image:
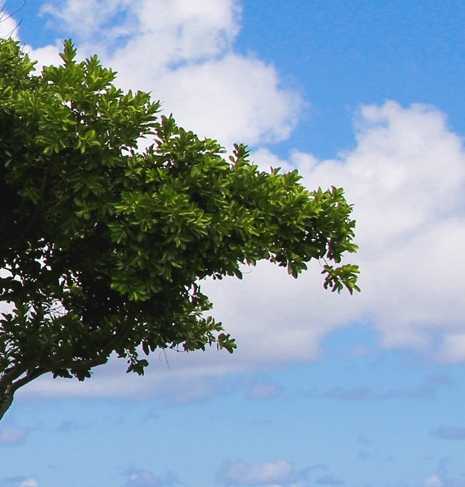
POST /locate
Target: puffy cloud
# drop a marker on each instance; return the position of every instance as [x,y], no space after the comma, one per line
[182,51]
[406,180]
[273,474]
[86,19]
[154,31]
[45,56]
[233,99]
[11,435]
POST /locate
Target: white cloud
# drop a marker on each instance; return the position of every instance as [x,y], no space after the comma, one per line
[168,33]
[271,474]
[433,481]
[154,31]
[45,56]
[233,99]
[8,26]
[406,179]
[183,52]
[30,482]
[84,19]
[453,348]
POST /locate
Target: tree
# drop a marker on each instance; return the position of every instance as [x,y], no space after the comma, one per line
[103,245]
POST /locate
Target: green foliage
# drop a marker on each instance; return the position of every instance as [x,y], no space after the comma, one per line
[103,246]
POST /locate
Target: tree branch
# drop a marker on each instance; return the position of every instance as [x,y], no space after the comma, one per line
[6,398]
[12,380]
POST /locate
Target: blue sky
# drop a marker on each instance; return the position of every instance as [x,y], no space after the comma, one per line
[324,390]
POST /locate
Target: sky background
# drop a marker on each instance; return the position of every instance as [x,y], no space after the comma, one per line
[324,390]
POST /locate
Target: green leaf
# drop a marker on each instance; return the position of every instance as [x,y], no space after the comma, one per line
[103,246]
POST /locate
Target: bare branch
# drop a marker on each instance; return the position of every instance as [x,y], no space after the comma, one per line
[4,18]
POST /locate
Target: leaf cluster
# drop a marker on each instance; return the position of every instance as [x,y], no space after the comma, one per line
[103,246]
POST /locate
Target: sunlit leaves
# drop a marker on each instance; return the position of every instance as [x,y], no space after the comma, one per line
[104,246]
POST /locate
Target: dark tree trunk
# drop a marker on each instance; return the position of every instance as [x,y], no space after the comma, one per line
[6,398]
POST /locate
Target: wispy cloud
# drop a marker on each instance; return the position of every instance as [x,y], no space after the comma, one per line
[364,454]
[345,394]
[273,474]
[67,426]
[263,391]
[429,388]
[19,482]
[8,25]
[329,480]
[365,441]
[12,436]
[449,433]
[143,478]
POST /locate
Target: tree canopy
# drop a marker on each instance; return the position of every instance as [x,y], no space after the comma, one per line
[103,246]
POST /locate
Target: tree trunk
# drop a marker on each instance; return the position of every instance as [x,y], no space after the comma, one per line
[6,398]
